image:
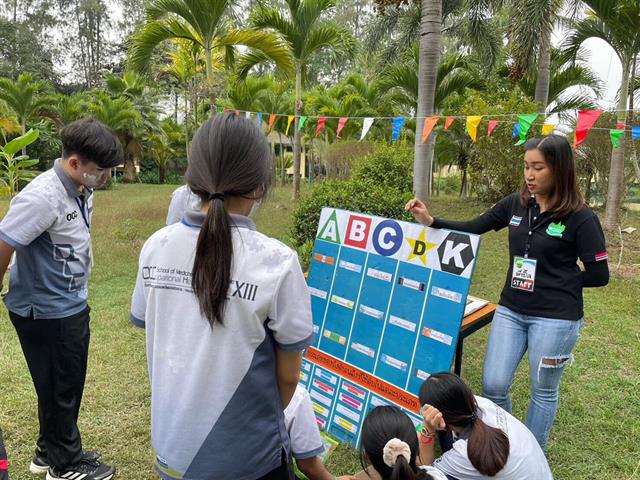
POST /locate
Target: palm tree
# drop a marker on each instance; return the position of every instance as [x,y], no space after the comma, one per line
[185,64]
[306,33]
[430,33]
[617,24]
[134,88]
[26,98]
[122,116]
[455,74]
[565,73]
[204,23]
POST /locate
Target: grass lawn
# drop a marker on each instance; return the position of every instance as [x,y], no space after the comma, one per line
[597,427]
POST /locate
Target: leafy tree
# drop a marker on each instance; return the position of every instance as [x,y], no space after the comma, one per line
[15,169]
[303,28]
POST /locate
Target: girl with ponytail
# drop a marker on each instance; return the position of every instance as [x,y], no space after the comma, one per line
[389,443]
[488,441]
[227,315]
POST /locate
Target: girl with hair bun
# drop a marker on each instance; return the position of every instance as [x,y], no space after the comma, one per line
[390,444]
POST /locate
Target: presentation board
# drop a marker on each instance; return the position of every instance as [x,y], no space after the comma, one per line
[387,299]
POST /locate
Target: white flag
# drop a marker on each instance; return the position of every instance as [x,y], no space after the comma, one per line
[247,114]
[366,125]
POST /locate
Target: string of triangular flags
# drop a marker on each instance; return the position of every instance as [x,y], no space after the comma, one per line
[585,123]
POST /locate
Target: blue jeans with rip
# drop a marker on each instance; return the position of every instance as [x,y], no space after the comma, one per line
[549,342]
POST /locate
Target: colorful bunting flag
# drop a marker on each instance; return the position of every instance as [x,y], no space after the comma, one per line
[259,118]
[366,125]
[635,132]
[237,112]
[429,123]
[289,120]
[303,119]
[227,110]
[247,115]
[398,122]
[272,120]
[586,119]
[219,109]
[525,122]
[616,134]
[492,126]
[341,123]
[619,126]
[516,130]
[547,128]
[321,121]
[472,126]
[447,122]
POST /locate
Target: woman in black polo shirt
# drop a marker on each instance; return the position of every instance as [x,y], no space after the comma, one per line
[540,310]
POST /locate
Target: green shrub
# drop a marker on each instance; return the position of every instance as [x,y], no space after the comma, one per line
[152,176]
[381,185]
[495,166]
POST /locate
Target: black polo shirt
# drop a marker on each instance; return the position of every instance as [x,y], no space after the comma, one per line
[556,244]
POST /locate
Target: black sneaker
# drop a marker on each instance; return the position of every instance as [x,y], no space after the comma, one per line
[40,463]
[83,470]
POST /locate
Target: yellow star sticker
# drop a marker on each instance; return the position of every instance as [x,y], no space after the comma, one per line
[420,247]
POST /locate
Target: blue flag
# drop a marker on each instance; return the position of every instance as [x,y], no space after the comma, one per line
[516,130]
[635,132]
[398,122]
[259,119]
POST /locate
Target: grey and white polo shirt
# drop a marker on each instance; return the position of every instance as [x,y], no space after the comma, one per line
[215,405]
[48,223]
[182,200]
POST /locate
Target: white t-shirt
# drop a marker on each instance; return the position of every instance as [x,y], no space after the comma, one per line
[182,201]
[526,459]
[434,472]
[302,427]
[215,406]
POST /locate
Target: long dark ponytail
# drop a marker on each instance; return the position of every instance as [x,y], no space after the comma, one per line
[229,157]
[380,426]
[487,447]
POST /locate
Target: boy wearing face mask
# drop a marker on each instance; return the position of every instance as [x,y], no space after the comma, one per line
[48,225]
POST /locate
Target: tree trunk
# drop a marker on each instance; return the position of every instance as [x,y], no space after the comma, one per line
[186,124]
[129,169]
[615,187]
[632,119]
[431,25]
[587,192]
[282,167]
[24,130]
[541,97]
[161,172]
[464,183]
[209,68]
[297,144]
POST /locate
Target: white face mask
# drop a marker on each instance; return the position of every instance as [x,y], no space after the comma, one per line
[255,207]
[95,178]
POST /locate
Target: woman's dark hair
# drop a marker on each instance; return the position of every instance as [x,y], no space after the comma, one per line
[565,197]
[487,447]
[92,141]
[229,157]
[381,425]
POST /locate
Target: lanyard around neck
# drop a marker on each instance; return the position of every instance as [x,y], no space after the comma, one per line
[84,216]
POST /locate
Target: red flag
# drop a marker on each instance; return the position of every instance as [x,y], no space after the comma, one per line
[492,126]
[447,123]
[237,112]
[341,123]
[321,121]
[429,123]
[586,119]
[272,120]
[227,110]
[619,126]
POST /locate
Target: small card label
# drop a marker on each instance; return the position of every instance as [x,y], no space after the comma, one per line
[446,294]
[402,323]
[379,274]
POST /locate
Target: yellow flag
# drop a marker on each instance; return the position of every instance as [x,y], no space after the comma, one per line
[472,126]
[547,129]
[289,120]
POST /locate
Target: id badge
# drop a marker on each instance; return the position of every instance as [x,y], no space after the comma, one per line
[524,274]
